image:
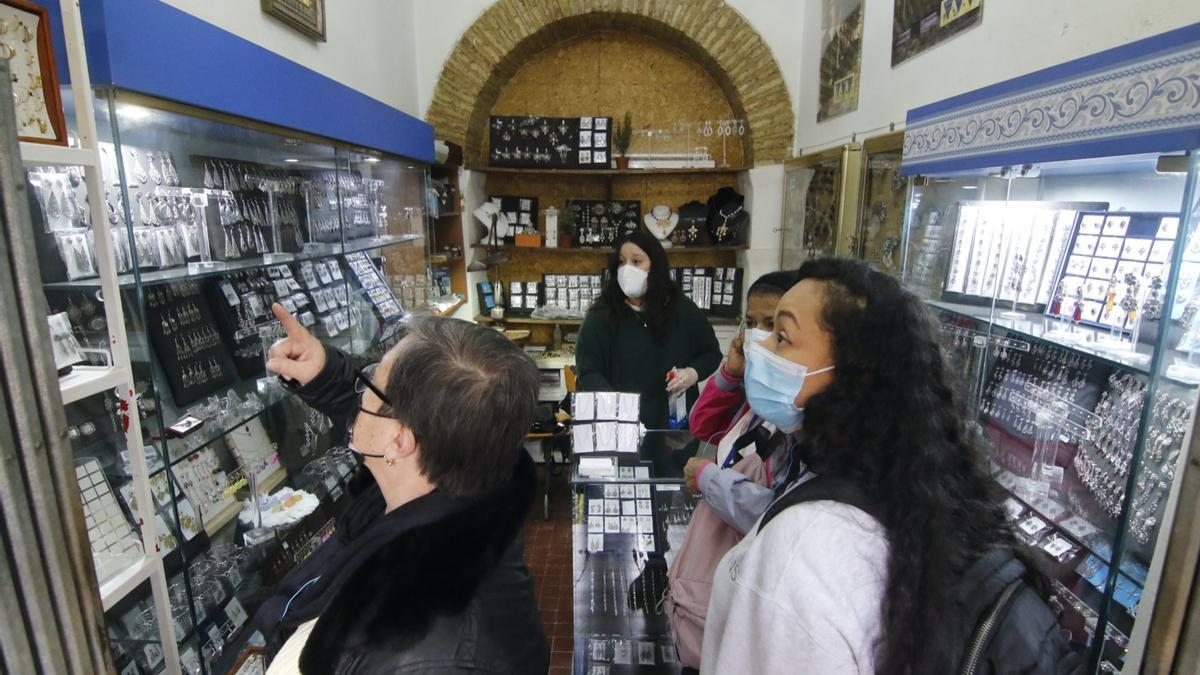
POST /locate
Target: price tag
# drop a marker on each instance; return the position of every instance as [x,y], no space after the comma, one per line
[1033,525]
[231,296]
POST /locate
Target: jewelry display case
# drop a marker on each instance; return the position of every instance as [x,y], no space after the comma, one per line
[631,511]
[236,217]
[820,205]
[1055,239]
[206,218]
[881,216]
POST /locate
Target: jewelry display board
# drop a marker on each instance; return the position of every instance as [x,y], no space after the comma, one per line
[600,223]
[25,44]
[370,279]
[717,291]
[1115,261]
[550,142]
[1008,251]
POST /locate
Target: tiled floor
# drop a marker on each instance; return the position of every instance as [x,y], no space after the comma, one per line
[548,554]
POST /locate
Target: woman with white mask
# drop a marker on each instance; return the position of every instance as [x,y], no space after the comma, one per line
[723,417]
[643,335]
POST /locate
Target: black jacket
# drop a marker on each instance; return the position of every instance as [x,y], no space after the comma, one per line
[1027,637]
[439,585]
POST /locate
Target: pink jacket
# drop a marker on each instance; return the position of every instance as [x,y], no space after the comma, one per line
[722,403]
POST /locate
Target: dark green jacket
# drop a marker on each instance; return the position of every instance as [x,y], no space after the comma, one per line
[619,353]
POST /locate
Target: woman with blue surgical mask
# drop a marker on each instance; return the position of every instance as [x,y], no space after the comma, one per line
[887,518]
[644,335]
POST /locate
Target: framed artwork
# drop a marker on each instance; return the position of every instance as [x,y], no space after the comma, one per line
[841,57]
[306,16]
[918,25]
[25,44]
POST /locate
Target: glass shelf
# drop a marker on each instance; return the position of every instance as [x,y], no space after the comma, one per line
[224,268]
[1034,327]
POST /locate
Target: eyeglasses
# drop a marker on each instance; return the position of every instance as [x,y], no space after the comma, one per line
[363,383]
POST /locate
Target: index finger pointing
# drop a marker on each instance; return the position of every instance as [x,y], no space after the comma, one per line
[289,323]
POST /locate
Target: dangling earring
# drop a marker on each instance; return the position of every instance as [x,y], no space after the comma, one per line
[389,461]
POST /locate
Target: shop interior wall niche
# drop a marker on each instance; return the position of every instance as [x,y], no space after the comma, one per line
[918,25]
[841,57]
[607,73]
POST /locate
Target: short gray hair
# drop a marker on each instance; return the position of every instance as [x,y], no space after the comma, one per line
[469,396]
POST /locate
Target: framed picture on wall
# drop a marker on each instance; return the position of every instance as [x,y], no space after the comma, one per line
[25,44]
[306,16]
[918,25]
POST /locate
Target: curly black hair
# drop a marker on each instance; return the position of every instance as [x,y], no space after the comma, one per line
[660,290]
[892,422]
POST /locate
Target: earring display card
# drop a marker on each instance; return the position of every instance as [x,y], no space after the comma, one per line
[549,142]
[114,544]
[602,222]
[67,351]
[1115,260]
[161,491]
[571,292]
[523,297]
[1009,251]
[605,437]
[253,448]
[240,303]
[204,482]
[371,281]
[193,355]
[521,212]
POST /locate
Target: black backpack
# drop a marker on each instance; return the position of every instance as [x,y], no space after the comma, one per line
[1016,633]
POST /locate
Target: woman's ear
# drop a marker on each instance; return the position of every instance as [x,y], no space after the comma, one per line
[403,444]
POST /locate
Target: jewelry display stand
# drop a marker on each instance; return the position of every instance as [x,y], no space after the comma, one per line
[1085,429]
[192,223]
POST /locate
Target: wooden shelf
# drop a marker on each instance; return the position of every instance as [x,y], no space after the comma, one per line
[606,251]
[449,214]
[451,309]
[607,172]
[446,261]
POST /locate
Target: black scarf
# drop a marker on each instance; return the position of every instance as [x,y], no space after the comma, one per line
[370,548]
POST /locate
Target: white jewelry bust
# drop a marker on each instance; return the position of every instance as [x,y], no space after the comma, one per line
[661,221]
[485,214]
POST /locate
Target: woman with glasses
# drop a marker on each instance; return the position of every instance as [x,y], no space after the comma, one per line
[425,571]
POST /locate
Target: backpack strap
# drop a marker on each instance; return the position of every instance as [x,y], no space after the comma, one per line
[823,488]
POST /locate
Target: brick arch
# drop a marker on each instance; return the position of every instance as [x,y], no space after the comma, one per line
[711,32]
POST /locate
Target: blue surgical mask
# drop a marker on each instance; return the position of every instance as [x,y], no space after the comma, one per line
[772,384]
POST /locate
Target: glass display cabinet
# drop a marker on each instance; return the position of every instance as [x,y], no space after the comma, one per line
[820,205]
[631,510]
[212,221]
[199,221]
[880,224]
[1055,238]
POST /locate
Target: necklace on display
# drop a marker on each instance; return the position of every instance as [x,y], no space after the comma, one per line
[723,231]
